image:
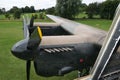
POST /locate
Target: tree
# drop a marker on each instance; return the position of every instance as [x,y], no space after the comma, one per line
[68,8]
[27,9]
[14,9]
[22,10]
[42,10]
[32,9]
[1,11]
[107,9]
[83,7]
[35,16]
[92,9]
[50,10]
[42,15]
[17,14]
[7,15]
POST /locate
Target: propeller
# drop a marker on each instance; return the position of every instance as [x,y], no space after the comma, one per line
[34,36]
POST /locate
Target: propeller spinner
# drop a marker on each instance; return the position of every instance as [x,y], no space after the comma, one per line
[25,49]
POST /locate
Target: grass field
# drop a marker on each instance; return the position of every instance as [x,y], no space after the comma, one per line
[12,68]
[2,17]
[97,23]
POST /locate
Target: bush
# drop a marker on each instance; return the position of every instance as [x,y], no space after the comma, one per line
[35,16]
[7,15]
[17,14]
[42,15]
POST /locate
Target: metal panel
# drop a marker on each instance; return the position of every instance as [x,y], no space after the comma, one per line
[109,47]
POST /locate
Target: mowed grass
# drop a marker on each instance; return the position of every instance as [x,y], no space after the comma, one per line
[97,23]
[12,68]
[2,16]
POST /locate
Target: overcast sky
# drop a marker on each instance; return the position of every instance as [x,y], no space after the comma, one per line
[38,4]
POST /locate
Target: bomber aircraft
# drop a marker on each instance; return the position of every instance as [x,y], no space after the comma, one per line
[63,46]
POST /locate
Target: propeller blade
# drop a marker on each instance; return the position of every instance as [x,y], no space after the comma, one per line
[31,27]
[31,32]
[31,21]
[25,28]
[28,66]
[28,26]
[34,36]
[35,39]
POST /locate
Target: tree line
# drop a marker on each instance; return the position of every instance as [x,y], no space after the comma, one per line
[105,9]
[69,9]
[16,12]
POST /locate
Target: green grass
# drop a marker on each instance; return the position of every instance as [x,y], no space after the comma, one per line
[81,15]
[2,17]
[44,20]
[97,23]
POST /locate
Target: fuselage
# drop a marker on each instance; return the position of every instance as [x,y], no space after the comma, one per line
[57,60]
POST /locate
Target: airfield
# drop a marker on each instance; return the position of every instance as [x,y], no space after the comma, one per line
[11,31]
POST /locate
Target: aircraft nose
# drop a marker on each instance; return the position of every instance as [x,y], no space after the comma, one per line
[20,50]
[18,47]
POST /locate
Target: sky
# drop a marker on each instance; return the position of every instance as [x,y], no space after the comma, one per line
[38,4]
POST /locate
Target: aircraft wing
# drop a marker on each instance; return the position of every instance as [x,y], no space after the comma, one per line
[65,34]
[67,44]
[72,32]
